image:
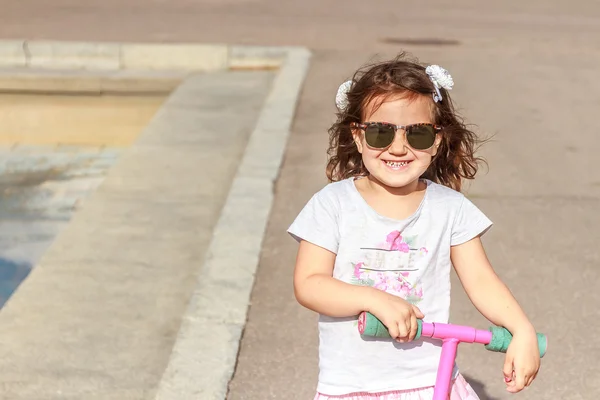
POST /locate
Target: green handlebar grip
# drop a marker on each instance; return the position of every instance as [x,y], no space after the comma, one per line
[501,338]
[375,328]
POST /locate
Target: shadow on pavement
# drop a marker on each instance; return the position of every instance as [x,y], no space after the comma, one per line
[479,389]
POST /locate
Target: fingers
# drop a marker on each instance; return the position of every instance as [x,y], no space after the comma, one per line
[528,380]
[413,327]
[404,330]
[408,326]
[393,329]
[518,377]
[531,375]
[531,379]
[519,381]
[507,370]
[417,312]
[402,325]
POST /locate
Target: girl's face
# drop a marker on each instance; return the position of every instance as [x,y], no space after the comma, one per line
[399,165]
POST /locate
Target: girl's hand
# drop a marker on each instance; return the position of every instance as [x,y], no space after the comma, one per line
[398,315]
[522,361]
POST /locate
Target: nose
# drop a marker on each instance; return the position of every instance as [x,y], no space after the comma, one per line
[398,146]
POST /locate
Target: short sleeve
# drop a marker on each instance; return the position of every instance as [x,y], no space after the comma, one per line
[317,223]
[469,223]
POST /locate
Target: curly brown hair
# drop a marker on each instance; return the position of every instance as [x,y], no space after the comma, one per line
[455,159]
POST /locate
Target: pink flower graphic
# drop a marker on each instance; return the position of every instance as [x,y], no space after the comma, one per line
[419,292]
[392,279]
[403,247]
[357,268]
[381,281]
[397,286]
[404,291]
[381,285]
[394,240]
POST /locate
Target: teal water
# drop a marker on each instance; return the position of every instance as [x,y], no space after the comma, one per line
[40,189]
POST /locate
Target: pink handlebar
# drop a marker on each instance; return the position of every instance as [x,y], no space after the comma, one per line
[495,339]
[458,332]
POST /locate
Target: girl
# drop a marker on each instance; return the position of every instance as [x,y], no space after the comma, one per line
[383,235]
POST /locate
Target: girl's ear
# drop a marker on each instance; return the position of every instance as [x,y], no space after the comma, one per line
[436,144]
[357,136]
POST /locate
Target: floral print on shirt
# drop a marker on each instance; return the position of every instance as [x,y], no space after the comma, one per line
[388,267]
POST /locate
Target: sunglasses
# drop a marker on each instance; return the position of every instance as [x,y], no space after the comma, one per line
[380,135]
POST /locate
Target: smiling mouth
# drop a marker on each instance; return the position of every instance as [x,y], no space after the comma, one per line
[396,164]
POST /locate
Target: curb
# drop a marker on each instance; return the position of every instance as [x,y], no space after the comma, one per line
[93,68]
[30,80]
[204,355]
[107,56]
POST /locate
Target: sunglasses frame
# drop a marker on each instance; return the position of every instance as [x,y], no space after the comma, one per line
[365,125]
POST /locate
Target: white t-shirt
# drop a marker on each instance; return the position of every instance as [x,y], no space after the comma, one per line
[409,258]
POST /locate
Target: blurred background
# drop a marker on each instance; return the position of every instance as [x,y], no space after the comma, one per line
[114,180]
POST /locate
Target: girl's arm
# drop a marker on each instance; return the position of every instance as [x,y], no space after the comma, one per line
[316,289]
[486,291]
[495,302]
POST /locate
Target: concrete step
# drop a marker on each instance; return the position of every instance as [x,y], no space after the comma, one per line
[99,315]
[85,81]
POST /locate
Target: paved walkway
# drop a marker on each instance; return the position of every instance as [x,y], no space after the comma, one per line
[524,71]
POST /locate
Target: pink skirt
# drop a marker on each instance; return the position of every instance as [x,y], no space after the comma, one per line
[461,390]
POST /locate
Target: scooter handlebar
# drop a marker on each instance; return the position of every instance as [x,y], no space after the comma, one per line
[369,325]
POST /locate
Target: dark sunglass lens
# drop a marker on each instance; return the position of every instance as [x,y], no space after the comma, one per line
[420,137]
[379,136]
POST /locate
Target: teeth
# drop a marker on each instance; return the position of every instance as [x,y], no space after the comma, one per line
[396,164]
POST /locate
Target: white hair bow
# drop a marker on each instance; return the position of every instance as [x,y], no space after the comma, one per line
[341,98]
[441,78]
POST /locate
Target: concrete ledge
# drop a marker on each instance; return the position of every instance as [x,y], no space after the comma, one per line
[62,55]
[88,82]
[47,66]
[12,54]
[241,57]
[188,57]
[136,56]
[204,356]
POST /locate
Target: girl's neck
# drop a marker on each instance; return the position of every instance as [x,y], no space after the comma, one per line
[394,203]
[380,189]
